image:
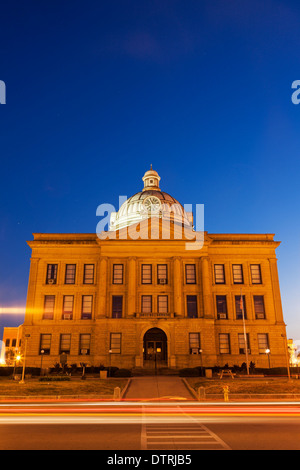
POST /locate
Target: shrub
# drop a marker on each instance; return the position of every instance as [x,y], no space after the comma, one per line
[123,373]
[189,372]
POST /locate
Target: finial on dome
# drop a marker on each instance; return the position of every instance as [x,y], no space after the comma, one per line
[151,180]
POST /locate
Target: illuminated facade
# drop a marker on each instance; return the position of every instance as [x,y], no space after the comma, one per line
[131,301]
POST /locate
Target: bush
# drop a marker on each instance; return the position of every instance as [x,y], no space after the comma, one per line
[189,372]
[123,373]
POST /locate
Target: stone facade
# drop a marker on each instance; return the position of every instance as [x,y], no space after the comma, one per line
[92,297]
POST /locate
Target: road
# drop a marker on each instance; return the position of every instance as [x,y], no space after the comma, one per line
[149,426]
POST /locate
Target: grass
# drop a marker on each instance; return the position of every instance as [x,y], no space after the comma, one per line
[75,387]
[246,386]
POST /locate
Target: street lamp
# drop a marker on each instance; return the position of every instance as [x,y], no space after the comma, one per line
[42,355]
[267,351]
[110,353]
[23,372]
[200,352]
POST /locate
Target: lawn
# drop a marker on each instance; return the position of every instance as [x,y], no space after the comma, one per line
[92,387]
[246,386]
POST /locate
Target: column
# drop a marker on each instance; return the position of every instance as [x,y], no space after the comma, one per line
[177,281]
[102,309]
[131,286]
[207,288]
[276,290]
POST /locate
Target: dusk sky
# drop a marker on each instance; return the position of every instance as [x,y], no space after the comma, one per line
[97,91]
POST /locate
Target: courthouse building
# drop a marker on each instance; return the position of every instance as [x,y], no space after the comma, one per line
[132,299]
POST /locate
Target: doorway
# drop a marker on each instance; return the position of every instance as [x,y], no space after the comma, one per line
[155,349]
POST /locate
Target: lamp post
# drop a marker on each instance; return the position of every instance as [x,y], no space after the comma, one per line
[267,351]
[286,355]
[42,355]
[109,367]
[23,372]
[200,352]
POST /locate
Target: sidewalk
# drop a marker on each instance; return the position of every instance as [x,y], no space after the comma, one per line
[158,387]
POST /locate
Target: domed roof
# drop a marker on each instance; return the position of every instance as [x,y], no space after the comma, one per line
[150,202]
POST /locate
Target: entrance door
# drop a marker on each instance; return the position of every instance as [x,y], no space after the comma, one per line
[155,348]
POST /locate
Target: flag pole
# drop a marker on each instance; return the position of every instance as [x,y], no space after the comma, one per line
[245,334]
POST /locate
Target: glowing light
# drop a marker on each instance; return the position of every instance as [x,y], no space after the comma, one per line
[12,310]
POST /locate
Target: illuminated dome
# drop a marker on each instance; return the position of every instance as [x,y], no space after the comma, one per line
[150,202]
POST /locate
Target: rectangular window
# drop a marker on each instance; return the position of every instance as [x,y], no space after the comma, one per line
[45,344]
[51,274]
[84,344]
[65,344]
[242,346]
[49,307]
[118,274]
[224,342]
[259,306]
[117,306]
[190,274]
[240,307]
[146,303]
[88,274]
[87,305]
[194,343]
[256,274]
[221,302]
[219,274]
[70,273]
[192,310]
[14,343]
[237,271]
[146,274]
[263,342]
[162,274]
[115,343]
[162,304]
[68,307]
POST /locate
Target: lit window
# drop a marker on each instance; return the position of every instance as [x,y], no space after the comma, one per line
[115,343]
[224,342]
[118,274]
[45,344]
[49,302]
[219,274]
[256,274]
[237,271]
[87,305]
[259,306]
[146,274]
[162,303]
[88,275]
[146,303]
[84,344]
[68,307]
[190,274]
[70,273]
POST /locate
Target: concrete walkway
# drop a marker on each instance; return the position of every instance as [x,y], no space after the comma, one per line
[158,387]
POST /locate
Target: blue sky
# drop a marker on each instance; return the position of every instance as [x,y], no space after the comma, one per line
[97,91]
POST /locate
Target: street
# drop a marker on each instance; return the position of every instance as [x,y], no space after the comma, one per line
[149,426]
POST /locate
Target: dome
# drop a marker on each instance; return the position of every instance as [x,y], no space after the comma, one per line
[150,202]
